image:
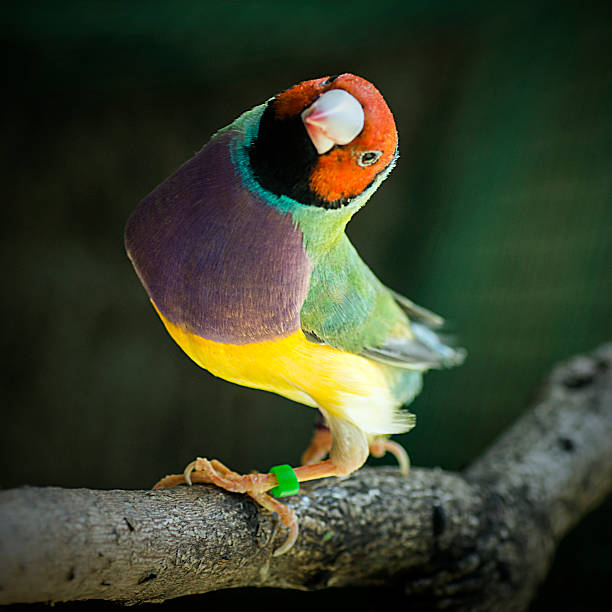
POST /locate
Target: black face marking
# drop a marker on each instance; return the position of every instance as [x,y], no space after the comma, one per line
[283,156]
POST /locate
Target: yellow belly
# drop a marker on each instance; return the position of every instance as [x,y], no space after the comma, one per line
[342,384]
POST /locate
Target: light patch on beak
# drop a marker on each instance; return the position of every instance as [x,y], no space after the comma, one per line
[336,117]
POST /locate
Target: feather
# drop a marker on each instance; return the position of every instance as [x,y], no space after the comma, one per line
[416,312]
[424,351]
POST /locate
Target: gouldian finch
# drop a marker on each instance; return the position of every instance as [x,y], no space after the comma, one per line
[244,255]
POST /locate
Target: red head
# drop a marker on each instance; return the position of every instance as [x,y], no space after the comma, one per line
[325,149]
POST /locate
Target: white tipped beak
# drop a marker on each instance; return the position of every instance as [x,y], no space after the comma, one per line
[334,118]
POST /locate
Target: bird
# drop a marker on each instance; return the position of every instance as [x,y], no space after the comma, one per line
[244,256]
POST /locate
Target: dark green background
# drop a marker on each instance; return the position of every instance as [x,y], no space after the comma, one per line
[498,216]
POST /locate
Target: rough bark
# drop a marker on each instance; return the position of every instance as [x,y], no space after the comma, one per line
[478,540]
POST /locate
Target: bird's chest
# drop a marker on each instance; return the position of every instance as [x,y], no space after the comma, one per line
[214,258]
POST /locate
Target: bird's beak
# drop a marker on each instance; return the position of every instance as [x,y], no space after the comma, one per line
[336,117]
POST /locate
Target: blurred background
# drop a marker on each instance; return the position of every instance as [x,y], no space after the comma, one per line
[498,216]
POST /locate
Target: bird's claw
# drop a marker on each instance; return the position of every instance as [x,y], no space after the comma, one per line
[254,485]
[286,515]
[214,472]
[187,472]
[379,447]
[210,472]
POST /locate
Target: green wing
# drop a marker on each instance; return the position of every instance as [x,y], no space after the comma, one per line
[349,308]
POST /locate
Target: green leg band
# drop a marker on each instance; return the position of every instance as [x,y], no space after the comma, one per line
[287,481]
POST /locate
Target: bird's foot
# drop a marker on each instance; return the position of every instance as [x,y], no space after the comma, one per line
[379,447]
[213,471]
[322,441]
[254,485]
[319,446]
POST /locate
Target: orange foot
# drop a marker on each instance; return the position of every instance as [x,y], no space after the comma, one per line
[257,485]
[379,447]
[322,441]
[254,485]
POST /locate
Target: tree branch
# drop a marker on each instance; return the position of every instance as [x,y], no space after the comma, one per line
[480,540]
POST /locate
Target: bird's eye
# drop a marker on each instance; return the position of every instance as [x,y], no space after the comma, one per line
[368,158]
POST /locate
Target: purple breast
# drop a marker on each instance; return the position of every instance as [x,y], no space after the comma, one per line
[214,258]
